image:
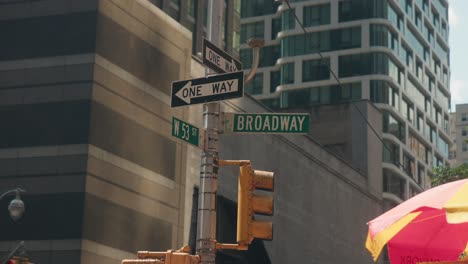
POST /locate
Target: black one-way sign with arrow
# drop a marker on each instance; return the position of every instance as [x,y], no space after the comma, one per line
[219,60]
[208,89]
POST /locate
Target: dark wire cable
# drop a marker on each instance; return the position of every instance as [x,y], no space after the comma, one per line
[322,61]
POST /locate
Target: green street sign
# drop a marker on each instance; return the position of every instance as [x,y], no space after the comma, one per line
[187,132]
[274,123]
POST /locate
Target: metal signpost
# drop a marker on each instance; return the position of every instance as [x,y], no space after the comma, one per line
[267,123]
[218,60]
[208,89]
[206,218]
[187,133]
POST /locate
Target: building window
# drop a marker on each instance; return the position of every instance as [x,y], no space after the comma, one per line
[252,30]
[316,15]
[338,39]
[417,147]
[408,164]
[288,20]
[420,123]
[256,85]
[464,116]
[275,80]
[417,21]
[269,55]
[465,146]
[358,9]
[380,35]
[315,70]
[287,73]
[415,94]
[174,12]
[383,92]
[426,7]
[321,95]
[409,8]
[246,58]
[391,152]
[408,111]
[452,154]
[442,146]
[190,7]
[431,133]
[258,8]
[465,131]
[368,63]
[392,183]
[275,27]
[437,161]
[421,174]
[393,126]
[157,3]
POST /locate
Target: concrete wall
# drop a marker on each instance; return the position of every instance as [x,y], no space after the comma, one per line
[343,130]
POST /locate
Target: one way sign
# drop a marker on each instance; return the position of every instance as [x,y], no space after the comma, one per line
[218,60]
[202,90]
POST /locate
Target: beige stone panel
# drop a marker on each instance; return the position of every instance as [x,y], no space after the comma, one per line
[173,40]
[43,245]
[93,252]
[131,167]
[158,21]
[142,116]
[133,89]
[131,200]
[176,243]
[180,238]
[132,181]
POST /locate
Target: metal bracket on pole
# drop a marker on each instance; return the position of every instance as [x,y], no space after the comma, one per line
[233,162]
[231,246]
[255,44]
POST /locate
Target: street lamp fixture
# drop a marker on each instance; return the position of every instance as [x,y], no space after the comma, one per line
[16,206]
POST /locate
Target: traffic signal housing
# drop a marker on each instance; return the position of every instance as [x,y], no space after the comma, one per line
[250,203]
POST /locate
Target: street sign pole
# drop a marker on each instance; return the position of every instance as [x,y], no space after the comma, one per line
[206,224]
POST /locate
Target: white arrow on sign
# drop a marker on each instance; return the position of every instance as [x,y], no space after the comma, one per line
[216,59]
[190,91]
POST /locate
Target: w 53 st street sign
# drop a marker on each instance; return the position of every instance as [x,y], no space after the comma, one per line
[267,123]
[187,132]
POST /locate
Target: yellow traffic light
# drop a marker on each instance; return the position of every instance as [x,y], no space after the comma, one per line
[249,204]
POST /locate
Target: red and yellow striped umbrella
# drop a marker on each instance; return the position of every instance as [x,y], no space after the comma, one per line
[432,226]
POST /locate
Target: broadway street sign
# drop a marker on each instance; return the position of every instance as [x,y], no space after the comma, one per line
[208,89]
[187,132]
[218,60]
[268,123]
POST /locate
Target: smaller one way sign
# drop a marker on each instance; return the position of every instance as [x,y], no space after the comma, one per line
[208,89]
[219,60]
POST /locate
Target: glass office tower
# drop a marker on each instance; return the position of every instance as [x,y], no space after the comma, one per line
[394,53]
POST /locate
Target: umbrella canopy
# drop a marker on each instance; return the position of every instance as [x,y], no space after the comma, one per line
[432,226]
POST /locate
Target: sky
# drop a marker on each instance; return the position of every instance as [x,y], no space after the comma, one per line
[458,41]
